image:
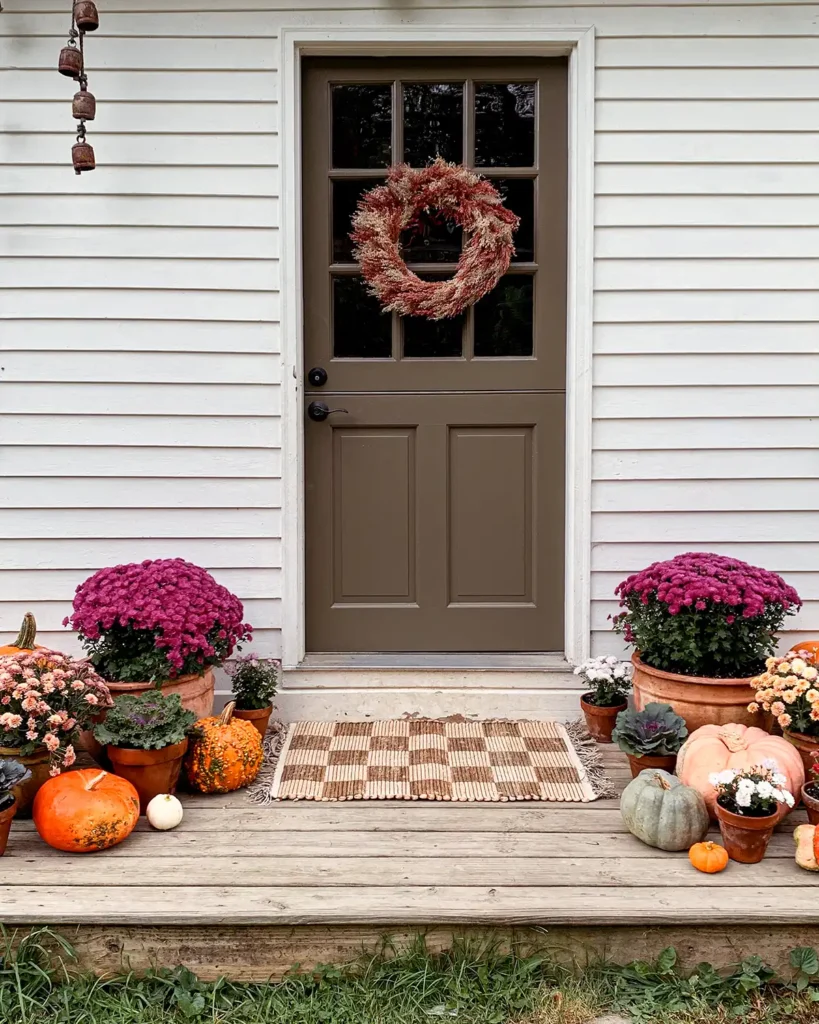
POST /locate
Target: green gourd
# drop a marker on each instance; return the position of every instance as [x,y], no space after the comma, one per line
[662,812]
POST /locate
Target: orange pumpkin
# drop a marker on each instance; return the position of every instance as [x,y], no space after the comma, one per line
[25,638]
[708,857]
[712,748]
[227,756]
[810,647]
[86,810]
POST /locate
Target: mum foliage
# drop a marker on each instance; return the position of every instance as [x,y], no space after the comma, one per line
[789,690]
[156,620]
[148,721]
[656,731]
[254,681]
[45,698]
[703,614]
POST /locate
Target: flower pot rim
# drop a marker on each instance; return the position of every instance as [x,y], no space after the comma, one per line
[36,756]
[8,812]
[147,684]
[754,823]
[253,712]
[678,677]
[134,756]
[646,758]
[809,796]
[803,736]
[595,709]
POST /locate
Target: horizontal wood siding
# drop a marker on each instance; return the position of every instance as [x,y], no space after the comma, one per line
[139,305]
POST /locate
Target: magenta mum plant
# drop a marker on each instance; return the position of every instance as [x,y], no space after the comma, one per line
[702,614]
[156,620]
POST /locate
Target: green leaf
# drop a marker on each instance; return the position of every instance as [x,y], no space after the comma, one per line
[805,959]
[667,960]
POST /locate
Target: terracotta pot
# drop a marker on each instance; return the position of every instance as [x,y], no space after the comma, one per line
[600,721]
[811,802]
[259,717]
[697,699]
[808,747]
[746,839]
[6,817]
[37,764]
[151,771]
[668,762]
[196,691]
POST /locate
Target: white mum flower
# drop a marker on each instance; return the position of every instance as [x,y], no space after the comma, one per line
[765,790]
[743,798]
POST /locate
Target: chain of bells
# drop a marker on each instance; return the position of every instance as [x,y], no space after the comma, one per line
[84,18]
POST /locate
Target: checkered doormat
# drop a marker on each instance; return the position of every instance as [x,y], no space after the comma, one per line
[432,759]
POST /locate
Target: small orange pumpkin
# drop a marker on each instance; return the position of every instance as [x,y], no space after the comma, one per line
[708,857]
[227,755]
[25,638]
[810,647]
[86,810]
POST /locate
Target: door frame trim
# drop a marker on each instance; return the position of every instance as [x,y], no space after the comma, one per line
[578,44]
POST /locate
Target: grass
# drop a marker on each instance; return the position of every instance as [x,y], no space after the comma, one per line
[468,985]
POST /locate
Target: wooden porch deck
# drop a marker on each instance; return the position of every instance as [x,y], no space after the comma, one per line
[250,891]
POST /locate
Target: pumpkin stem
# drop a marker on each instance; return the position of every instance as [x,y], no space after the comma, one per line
[95,781]
[732,739]
[28,632]
[664,783]
[227,713]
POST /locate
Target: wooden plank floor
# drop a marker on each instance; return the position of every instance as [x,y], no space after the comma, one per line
[387,864]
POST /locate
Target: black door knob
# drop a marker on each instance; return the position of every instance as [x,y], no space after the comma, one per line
[317,377]
[319,412]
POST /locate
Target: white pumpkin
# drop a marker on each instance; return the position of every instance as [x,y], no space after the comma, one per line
[164,812]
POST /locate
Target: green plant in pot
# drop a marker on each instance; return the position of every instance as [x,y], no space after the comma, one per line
[146,738]
[650,738]
[748,808]
[254,682]
[610,682]
[12,774]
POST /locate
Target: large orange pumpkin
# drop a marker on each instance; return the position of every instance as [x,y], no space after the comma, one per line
[86,810]
[25,638]
[227,755]
[810,647]
[712,748]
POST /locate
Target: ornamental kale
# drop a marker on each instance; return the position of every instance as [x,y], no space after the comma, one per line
[12,773]
[149,721]
[702,614]
[156,620]
[254,682]
[653,732]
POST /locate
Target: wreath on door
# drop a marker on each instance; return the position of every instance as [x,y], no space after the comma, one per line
[459,196]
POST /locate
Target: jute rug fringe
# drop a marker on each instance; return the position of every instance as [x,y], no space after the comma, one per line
[272,745]
[590,757]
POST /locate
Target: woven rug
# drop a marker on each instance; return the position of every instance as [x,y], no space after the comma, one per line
[432,759]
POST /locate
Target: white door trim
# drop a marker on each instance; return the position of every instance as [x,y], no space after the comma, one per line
[578,43]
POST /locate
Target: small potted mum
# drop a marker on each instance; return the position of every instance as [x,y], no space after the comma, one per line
[159,624]
[788,689]
[254,682]
[610,680]
[702,625]
[810,792]
[650,738]
[146,738]
[749,805]
[12,776]
[46,698]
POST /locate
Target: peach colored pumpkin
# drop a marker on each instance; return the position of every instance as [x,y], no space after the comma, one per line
[714,747]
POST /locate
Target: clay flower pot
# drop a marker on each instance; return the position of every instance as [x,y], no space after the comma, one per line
[700,700]
[808,747]
[668,762]
[600,721]
[746,838]
[258,717]
[150,771]
[38,764]
[6,816]
[196,691]
[811,801]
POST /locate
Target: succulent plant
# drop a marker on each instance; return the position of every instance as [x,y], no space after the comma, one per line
[656,731]
[12,773]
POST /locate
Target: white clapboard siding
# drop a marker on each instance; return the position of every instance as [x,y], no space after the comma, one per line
[140,388]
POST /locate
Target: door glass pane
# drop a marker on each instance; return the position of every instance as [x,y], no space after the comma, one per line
[361,329]
[433,122]
[503,318]
[362,125]
[346,194]
[504,125]
[433,339]
[519,196]
[431,238]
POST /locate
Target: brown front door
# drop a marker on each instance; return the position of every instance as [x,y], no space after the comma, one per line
[434,500]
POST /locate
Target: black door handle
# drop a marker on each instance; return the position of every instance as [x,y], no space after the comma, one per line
[319,412]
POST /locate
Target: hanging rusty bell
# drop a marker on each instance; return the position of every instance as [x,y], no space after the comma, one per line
[86,17]
[70,63]
[84,107]
[82,153]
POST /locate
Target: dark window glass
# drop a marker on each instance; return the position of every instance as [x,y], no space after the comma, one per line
[433,123]
[431,238]
[519,196]
[503,319]
[362,125]
[433,339]
[361,330]
[346,195]
[504,125]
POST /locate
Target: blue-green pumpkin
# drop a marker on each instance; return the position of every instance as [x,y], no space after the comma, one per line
[661,812]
